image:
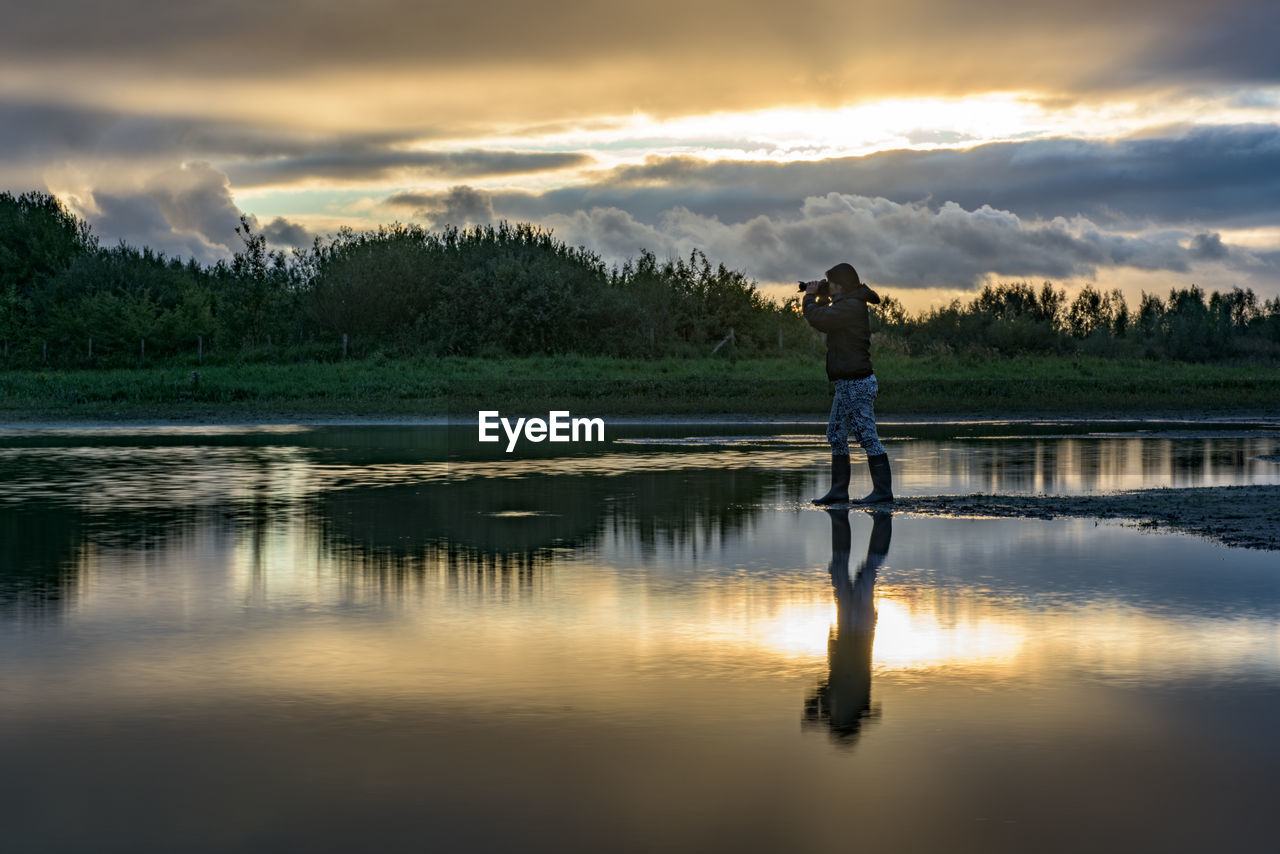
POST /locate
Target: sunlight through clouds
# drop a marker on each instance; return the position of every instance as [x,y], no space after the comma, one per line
[818,133]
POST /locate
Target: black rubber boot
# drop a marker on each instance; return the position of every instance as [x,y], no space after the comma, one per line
[881,480]
[839,491]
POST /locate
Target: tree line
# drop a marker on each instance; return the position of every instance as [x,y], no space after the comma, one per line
[513,289]
[1016,318]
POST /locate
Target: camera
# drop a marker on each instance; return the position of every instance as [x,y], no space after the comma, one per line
[824,287]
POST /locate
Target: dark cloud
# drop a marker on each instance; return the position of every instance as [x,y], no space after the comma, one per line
[28,129]
[1208,246]
[670,54]
[138,221]
[31,128]
[1221,175]
[1235,43]
[183,211]
[281,232]
[459,206]
[196,198]
[366,163]
[252,155]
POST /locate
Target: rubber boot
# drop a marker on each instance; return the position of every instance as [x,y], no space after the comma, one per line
[839,491]
[881,480]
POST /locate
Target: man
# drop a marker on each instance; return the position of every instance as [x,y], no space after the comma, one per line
[848,326]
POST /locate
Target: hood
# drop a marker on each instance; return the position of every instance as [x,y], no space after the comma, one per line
[865,294]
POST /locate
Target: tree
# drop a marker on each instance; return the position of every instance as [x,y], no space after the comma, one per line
[1088,312]
[1186,323]
[38,238]
[1150,318]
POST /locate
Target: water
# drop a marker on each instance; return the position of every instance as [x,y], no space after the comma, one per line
[395,639]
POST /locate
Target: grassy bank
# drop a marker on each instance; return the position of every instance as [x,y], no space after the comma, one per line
[603,386]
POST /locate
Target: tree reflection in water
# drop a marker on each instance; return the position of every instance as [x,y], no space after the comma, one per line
[39,549]
[525,525]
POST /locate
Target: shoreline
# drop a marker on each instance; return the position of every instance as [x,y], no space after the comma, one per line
[248,420]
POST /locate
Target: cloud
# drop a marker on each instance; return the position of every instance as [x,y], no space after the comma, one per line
[184,211]
[366,163]
[1220,174]
[196,198]
[30,128]
[460,206]
[1208,246]
[138,221]
[252,155]
[907,245]
[1235,43]
[281,232]
[510,60]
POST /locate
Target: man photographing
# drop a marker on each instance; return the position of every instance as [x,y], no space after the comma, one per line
[844,317]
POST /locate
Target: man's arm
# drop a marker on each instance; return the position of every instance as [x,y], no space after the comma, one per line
[824,318]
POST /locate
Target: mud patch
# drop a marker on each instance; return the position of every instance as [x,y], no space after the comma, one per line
[1241,516]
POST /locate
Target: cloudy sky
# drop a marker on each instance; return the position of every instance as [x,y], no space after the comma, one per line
[934,144]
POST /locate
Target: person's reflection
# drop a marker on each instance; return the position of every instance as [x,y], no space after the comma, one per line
[843,702]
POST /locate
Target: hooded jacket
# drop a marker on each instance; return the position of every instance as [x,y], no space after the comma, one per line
[848,326]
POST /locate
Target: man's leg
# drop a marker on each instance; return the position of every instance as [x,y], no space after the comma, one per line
[837,436]
[863,396]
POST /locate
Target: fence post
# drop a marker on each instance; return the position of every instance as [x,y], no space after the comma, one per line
[199,349]
[142,351]
[91,349]
[44,351]
[779,336]
[344,345]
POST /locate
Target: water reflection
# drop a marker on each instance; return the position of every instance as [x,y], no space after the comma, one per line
[843,701]
[39,557]
[533,520]
[392,502]
[1084,464]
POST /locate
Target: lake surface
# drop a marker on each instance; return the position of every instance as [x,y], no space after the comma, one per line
[397,639]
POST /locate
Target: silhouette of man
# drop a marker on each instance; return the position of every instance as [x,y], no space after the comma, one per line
[844,317]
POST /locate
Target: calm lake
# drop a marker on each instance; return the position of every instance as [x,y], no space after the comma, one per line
[397,639]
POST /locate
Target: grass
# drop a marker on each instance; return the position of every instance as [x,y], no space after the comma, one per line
[936,385]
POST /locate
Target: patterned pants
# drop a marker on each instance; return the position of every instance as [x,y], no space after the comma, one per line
[852,412]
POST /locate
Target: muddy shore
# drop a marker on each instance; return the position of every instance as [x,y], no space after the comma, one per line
[1240,516]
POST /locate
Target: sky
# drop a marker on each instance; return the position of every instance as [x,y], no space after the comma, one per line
[935,145]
